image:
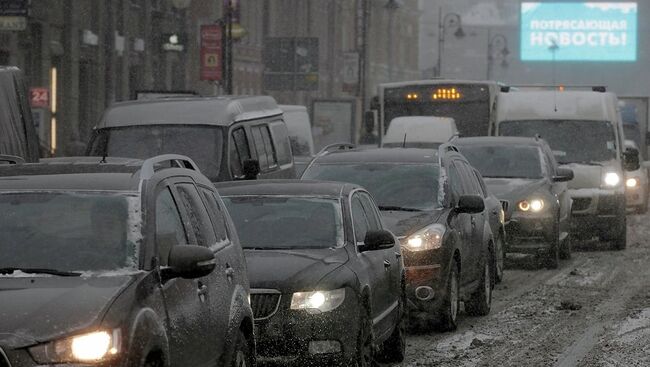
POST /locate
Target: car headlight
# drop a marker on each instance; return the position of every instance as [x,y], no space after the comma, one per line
[632,182]
[93,347]
[318,301]
[429,238]
[533,205]
[611,179]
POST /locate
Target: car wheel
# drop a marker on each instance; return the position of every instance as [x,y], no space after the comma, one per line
[393,350]
[500,258]
[620,241]
[481,301]
[451,303]
[567,248]
[242,356]
[552,260]
[365,342]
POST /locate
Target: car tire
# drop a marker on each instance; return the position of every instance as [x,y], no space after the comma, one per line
[480,302]
[552,259]
[566,248]
[242,355]
[500,258]
[448,312]
[365,353]
[393,350]
[619,242]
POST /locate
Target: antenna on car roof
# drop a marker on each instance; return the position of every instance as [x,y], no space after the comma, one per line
[404,142]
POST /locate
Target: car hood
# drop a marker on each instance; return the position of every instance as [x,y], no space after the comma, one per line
[405,223]
[39,309]
[292,270]
[513,188]
[589,176]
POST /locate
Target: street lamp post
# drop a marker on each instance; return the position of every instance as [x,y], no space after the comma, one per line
[497,44]
[450,20]
[391,6]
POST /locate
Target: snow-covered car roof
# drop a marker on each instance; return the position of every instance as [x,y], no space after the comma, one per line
[219,111]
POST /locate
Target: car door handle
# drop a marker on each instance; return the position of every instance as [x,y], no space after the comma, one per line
[230,273]
[202,291]
[386,264]
[398,255]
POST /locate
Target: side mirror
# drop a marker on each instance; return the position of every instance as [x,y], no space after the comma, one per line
[470,204]
[631,160]
[563,175]
[377,240]
[189,262]
[251,169]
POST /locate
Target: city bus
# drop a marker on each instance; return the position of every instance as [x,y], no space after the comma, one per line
[472,104]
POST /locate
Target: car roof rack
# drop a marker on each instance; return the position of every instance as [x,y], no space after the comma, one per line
[11,159]
[175,160]
[448,147]
[454,137]
[336,146]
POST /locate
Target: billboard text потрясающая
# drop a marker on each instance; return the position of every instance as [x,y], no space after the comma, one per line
[579,31]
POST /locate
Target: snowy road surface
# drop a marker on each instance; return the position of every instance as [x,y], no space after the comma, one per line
[592,311]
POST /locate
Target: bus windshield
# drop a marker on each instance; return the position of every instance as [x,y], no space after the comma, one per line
[467,104]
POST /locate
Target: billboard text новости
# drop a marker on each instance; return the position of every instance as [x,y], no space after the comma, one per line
[578,31]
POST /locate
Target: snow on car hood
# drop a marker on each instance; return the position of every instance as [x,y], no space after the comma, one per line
[292,270]
[39,309]
[590,176]
[405,223]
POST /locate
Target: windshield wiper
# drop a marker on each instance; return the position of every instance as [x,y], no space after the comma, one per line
[399,208]
[588,163]
[61,273]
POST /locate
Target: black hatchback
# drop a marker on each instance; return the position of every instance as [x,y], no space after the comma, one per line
[326,277]
[119,263]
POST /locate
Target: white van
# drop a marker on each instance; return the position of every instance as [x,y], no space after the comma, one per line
[419,132]
[585,131]
[302,141]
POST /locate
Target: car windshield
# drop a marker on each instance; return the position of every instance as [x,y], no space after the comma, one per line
[204,144]
[393,185]
[571,141]
[500,161]
[69,231]
[282,222]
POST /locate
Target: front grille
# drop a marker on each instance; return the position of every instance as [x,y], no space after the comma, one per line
[265,303]
[609,204]
[581,204]
[505,205]
[4,362]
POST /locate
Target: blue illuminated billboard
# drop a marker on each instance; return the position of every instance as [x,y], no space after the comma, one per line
[578,31]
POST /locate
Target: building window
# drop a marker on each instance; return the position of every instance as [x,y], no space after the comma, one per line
[4,57]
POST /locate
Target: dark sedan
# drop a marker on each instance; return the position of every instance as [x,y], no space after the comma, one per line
[523,174]
[431,199]
[327,277]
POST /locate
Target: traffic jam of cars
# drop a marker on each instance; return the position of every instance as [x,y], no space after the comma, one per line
[188,236]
